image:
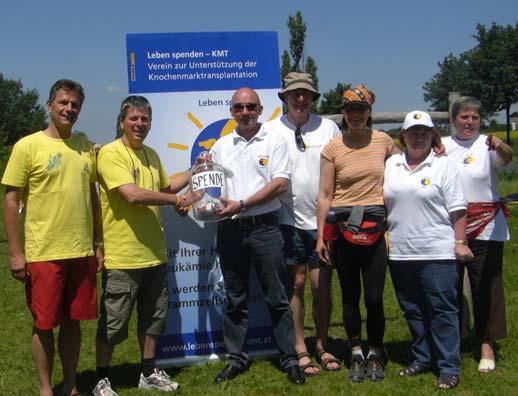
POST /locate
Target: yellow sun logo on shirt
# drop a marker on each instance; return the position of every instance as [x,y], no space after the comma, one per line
[426,181]
[263,161]
[468,160]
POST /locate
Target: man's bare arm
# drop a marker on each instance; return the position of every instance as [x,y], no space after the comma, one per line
[17,262]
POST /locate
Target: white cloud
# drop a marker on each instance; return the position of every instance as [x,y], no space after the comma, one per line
[113,88]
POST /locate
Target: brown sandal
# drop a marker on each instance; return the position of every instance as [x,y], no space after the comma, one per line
[310,364]
[324,362]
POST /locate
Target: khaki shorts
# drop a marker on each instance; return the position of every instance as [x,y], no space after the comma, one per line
[121,289]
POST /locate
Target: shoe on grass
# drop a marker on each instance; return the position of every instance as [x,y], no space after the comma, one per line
[159,380]
[357,369]
[104,388]
[448,381]
[374,370]
[414,369]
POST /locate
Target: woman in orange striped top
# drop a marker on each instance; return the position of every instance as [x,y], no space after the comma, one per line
[351,180]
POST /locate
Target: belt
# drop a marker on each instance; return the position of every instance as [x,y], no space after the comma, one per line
[265,218]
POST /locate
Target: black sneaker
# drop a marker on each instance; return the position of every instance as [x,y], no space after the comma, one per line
[374,368]
[357,369]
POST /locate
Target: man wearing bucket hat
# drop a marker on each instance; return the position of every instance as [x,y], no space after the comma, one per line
[305,134]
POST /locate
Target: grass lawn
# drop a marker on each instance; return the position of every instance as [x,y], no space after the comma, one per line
[18,375]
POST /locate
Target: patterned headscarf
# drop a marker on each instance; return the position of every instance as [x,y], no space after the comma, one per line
[360,94]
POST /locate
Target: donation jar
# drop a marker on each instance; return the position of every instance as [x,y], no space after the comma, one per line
[208,185]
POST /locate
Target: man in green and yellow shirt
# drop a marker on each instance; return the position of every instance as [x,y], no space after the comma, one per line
[52,174]
[133,183]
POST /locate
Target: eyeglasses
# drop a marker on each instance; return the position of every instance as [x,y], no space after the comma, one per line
[300,92]
[241,106]
[299,141]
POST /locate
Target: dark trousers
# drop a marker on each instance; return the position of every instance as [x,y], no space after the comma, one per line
[240,247]
[427,293]
[355,264]
[487,289]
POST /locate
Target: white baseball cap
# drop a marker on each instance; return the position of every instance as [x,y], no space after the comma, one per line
[417,117]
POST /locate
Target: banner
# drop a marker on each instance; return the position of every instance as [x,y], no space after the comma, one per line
[189,79]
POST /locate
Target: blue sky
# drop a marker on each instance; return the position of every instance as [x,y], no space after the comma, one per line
[393,47]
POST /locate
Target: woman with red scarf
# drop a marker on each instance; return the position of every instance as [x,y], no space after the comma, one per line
[479,160]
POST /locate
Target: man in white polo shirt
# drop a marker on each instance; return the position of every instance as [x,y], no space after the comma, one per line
[258,164]
[305,135]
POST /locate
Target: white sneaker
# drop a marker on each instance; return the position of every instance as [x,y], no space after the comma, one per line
[104,388]
[159,380]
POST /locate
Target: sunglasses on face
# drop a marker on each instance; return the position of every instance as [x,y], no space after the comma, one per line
[241,106]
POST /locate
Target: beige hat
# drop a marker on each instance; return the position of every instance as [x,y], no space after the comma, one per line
[294,81]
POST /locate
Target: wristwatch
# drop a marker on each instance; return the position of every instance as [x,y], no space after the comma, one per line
[241,205]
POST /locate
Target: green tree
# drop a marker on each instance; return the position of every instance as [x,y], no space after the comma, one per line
[454,76]
[285,64]
[311,68]
[296,61]
[495,62]
[331,102]
[489,71]
[20,113]
[83,134]
[297,39]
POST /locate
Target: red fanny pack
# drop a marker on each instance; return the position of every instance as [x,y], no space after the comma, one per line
[369,232]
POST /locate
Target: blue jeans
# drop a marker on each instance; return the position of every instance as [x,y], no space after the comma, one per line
[427,294]
[240,247]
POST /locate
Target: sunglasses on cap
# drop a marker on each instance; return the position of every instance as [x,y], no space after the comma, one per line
[241,106]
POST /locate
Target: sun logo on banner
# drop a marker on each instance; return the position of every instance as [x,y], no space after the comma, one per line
[209,134]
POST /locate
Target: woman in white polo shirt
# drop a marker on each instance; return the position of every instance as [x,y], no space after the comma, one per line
[426,216]
[479,159]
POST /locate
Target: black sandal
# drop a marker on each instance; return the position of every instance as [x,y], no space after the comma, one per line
[448,381]
[412,370]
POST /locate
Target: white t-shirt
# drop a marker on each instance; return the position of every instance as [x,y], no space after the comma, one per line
[479,168]
[299,203]
[419,203]
[251,165]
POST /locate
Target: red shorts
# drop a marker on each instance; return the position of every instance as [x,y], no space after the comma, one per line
[62,289]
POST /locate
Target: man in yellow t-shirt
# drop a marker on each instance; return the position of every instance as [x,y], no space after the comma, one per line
[133,183]
[52,172]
